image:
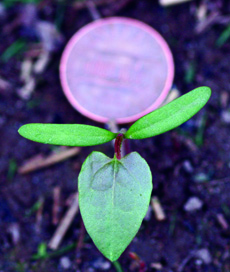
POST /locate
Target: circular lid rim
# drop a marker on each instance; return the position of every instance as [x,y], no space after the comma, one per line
[87,28]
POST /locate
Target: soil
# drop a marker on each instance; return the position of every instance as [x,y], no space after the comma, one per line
[192,161]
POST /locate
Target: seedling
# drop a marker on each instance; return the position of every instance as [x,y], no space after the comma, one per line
[114,193]
[15,48]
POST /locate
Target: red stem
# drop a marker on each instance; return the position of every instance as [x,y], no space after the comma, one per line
[117,145]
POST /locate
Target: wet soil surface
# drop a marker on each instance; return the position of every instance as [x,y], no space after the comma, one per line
[190,165]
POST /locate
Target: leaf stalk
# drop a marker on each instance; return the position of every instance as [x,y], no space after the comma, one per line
[118,267]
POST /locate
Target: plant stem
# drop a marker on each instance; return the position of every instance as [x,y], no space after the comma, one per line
[117,145]
[118,267]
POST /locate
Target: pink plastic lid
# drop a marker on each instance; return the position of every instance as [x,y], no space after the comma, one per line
[116,69]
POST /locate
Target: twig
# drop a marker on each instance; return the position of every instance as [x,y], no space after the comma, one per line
[56,205]
[26,69]
[64,224]
[172,2]
[42,62]
[222,221]
[39,214]
[157,208]
[185,261]
[93,10]
[26,76]
[209,21]
[27,89]
[39,161]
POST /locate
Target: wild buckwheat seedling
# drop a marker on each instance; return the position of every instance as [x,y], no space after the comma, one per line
[114,193]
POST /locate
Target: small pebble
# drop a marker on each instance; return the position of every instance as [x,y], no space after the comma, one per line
[188,167]
[65,263]
[204,255]
[49,35]
[201,177]
[225,116]
[102,264]
[193,204]
[158,209]
[199,262]
[14,231]
[157,266]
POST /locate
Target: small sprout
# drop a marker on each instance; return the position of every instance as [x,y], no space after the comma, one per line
[12,169]
[114,193]
[224,36]
[37,205]
[199,138]
[42,252]
[172,225]
[17,47]
[190,73]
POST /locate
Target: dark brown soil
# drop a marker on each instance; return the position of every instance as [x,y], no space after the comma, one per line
[193,160]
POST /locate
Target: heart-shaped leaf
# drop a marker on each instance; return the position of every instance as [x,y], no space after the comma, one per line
[114,197]
[169,116]
[68,135]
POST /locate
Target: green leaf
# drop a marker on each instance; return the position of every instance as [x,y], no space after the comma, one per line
[68,135]
[42,252]
[169,116]
[224,36]
[15,48]
[114,197]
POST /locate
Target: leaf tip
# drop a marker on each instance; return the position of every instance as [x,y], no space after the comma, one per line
[21,130]
[209,92]
[113,257]
[205,91]
[25,131]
